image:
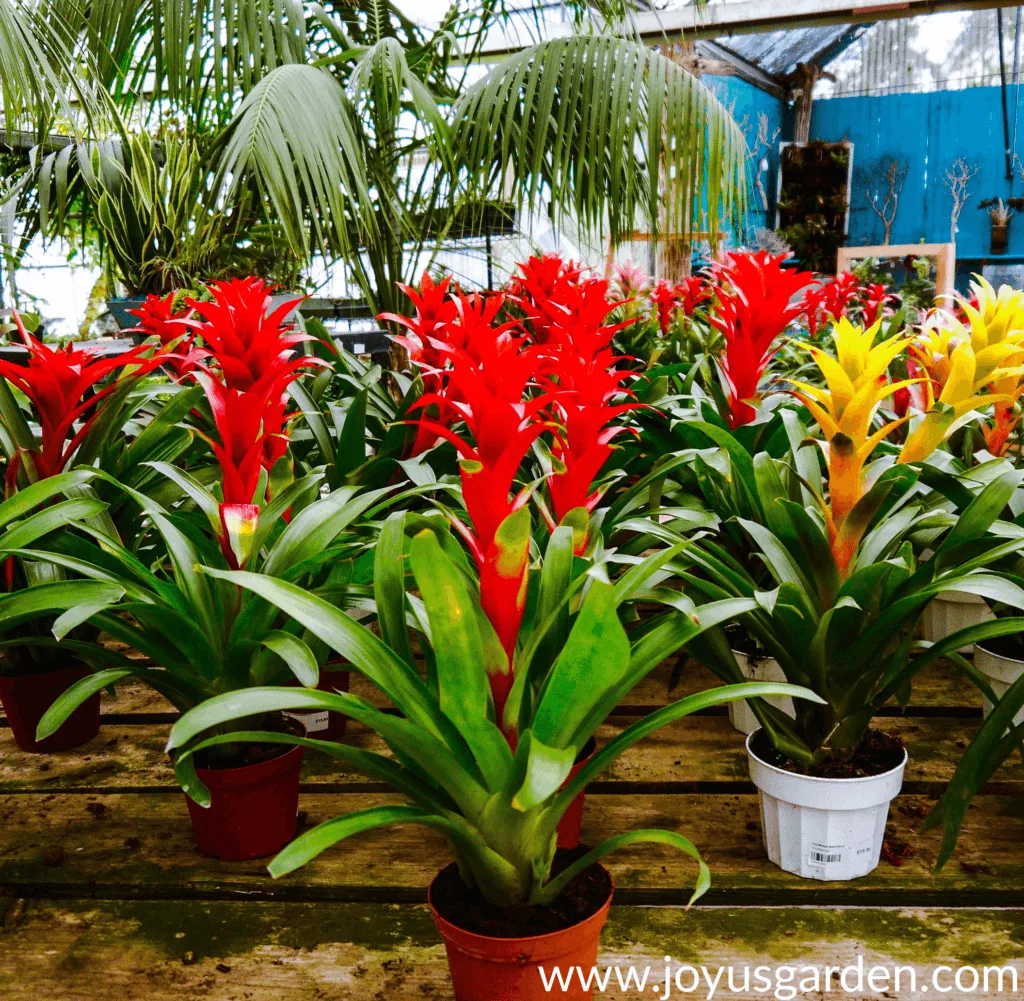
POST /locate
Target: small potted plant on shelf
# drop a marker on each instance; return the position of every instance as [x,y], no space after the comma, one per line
[993,323]
[999,215]
[847,589]
[74,405]
[510,902]
[202,635]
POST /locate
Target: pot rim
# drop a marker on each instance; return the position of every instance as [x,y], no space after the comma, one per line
[246,775]
[494,941]
[822,778]
[1001,656]
[79,667]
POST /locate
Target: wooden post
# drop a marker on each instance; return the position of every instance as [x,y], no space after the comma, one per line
[804,79]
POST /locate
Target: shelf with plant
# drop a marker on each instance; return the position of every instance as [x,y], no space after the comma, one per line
[63,408]
[200,635]
[843,541]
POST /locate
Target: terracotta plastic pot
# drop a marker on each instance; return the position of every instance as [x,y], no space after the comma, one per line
[508,969]
[26,697]
[254,809]
[572,820]
[320,723]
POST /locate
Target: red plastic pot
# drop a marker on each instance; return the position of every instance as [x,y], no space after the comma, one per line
[572,820]
[508,969]
[26,697]
[321,723]
[253,811]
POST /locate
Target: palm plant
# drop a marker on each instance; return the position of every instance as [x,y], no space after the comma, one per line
[369,135]
[160,224]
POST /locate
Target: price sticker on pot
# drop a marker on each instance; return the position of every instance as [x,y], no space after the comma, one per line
[823,856]
[838,861]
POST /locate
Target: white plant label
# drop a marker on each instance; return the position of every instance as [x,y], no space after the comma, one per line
[313,722]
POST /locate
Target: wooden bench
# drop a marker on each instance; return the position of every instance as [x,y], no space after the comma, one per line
[105,898]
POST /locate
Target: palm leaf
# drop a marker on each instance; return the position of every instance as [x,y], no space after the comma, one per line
[609,131]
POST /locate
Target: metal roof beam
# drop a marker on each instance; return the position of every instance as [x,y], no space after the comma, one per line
[736,65]
[713,20]
[736,17]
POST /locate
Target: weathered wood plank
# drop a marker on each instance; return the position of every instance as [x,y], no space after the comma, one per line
[938,688]
[265,951]
[697,752]
[939,691]
[140,845]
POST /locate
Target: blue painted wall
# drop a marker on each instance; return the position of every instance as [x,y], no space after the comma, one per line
[745,101]
[928,132]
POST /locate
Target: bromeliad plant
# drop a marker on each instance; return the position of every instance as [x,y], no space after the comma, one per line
[756,302]
[203,637]
[842,549]
[497,805]
[71,406]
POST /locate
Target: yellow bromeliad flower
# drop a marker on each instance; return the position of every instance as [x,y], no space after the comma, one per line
[958,370]
[856,384]
[998,316]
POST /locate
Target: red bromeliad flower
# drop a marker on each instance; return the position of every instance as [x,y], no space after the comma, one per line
[550,290]
[249,344]
[61,385]
[756,303]
[250,359]
[874,297]
[830,300]
[584,404]
[580,377]
[687,296]
[666,300]
[485,387]
[499,384]
[693,291]
[435,308]
[158,317]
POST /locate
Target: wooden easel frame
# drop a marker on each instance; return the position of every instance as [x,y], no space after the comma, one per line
[944,254]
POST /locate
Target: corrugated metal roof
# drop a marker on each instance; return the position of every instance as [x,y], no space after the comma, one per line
[779,52]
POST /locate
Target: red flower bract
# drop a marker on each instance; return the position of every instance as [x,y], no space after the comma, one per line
[830,300]
[874,298]
[495,386]
[249,360]
[158,317]
[57,382]
[687,296]
[756,303]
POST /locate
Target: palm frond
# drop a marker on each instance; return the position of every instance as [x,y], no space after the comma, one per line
[296,133]
[611,132]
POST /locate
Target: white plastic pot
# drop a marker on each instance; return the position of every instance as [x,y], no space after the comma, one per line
[1001,672]
[823,828]
[947,613]
[758,669]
